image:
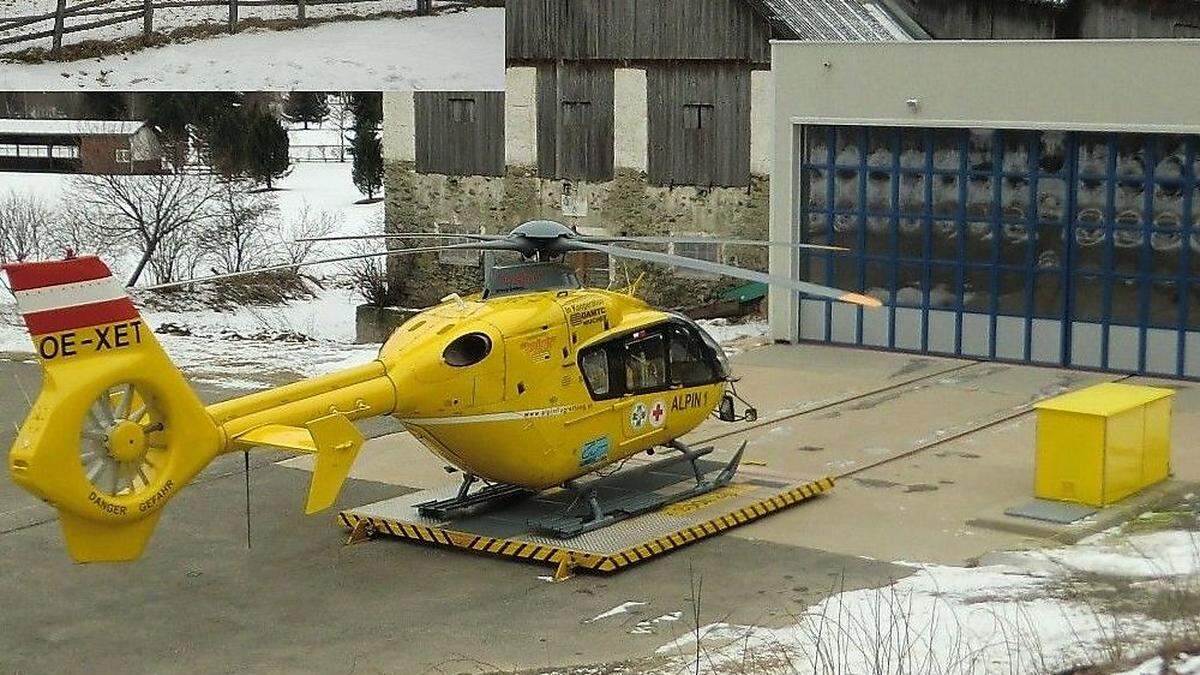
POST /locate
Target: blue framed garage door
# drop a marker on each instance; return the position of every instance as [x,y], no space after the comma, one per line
[1061,248]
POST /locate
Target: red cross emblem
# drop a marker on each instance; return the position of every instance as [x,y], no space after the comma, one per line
[658,414]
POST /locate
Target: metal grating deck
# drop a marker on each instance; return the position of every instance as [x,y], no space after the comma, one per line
[505,531]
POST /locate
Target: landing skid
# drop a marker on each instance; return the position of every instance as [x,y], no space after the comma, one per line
[567,525]
[595,515]
[466,503]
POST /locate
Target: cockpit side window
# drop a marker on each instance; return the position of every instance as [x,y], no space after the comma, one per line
[689,366]
[645,363]
[595,372]
[653,359]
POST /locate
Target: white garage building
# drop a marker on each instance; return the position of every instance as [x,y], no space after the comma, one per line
[1033,202]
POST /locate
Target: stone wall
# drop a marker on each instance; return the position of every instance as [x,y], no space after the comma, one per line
[626,205]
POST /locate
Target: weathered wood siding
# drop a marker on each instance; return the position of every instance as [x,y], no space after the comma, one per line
[985,19]
[699,124]
[635,29]
[460,133]
[575,121]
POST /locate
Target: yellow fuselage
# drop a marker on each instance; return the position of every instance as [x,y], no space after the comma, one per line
[524,415]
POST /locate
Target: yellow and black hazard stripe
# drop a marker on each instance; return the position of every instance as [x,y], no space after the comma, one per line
[605,563]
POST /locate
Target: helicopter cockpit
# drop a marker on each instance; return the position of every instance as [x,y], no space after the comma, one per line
[671,355]
[529,276]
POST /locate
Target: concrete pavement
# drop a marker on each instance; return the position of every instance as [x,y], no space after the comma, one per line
[930,444]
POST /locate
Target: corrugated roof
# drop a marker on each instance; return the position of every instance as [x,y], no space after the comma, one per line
[831,20]
[69,127]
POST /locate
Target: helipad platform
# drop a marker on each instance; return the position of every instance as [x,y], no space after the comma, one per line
[506,531]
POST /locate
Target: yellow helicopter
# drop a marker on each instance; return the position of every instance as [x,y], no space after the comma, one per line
[529,385]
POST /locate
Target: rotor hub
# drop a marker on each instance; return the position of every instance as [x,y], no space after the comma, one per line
[126,441]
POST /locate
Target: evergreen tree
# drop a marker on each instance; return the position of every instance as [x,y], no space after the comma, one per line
[227,139]
[368,161]
[105,105]
[309,107]
[183,116]
[266,149]
[367,109]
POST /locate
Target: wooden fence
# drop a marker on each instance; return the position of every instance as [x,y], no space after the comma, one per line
[318,153]
[100,13]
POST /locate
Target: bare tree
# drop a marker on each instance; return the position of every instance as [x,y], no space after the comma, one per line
[308,224]
[236,238]
[368,276]
[177,255]
[27,225]
[146,210]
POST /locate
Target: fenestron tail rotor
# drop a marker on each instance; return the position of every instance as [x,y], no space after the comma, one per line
[122,444]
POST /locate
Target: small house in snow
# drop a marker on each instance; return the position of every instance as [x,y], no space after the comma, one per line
[79,146]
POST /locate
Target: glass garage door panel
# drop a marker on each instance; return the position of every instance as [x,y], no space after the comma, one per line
[1134,252]
[1043,247]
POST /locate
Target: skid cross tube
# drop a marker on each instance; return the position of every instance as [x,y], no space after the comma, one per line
[565,526]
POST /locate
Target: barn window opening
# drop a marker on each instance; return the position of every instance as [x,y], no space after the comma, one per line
[123,156]
[33,151]
[462,110]
[8,150]
[697,115]
[576,113]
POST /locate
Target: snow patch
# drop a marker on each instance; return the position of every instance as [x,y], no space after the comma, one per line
[1002,617]
[1169,553]
[460,51]
[622,608]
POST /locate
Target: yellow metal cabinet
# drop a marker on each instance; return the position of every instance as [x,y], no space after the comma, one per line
[1099,445]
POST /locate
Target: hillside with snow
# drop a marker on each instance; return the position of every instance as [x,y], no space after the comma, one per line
[458,50]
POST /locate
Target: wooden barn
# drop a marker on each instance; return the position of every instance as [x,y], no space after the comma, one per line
[631,116]
[79,146]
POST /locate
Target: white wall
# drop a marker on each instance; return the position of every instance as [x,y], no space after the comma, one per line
[399,127]
[520,116]
[630,120]
[762,131]
[1081,85]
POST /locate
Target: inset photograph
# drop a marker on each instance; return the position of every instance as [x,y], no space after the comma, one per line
[166,187]
[250,45]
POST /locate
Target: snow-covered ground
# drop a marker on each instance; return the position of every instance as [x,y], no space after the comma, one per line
[1020,612]
[240,349]
[167,19]
[460,50]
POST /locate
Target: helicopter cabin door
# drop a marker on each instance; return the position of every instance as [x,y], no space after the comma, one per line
[662,380]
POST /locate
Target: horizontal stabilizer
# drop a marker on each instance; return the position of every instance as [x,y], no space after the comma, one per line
[278,436]
[333,439]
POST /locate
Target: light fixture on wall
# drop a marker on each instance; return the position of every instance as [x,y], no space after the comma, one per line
[914,104]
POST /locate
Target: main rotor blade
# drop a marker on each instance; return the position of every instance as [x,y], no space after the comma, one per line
[478,246]
[707,240]
[729,270]
[407,235]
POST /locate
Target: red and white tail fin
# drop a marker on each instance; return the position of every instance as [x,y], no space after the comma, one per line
[67,295]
